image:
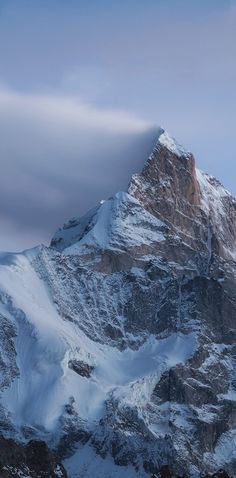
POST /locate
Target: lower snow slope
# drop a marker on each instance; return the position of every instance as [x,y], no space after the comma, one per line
[45,344]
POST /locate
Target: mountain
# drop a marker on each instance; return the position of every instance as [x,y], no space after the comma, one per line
[117,342]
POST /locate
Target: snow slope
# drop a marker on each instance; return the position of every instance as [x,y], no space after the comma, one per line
[113,225]
[45,343]
[113,339]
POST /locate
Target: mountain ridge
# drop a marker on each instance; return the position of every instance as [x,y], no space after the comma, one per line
[114,338]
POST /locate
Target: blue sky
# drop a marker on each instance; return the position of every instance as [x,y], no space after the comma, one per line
[129,65]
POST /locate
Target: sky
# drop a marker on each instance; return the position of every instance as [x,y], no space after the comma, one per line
[84,86]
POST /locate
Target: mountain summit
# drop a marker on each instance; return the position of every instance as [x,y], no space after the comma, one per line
[117,342]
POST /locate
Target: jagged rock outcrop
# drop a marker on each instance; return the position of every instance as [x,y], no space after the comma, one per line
[33,460]
[121,334]
[81,368]
[165,472]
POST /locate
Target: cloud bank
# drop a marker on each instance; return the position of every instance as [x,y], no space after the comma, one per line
[59,157]
[171,62]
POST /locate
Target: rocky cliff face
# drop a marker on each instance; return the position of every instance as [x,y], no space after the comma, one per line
[118,340]
[32,460]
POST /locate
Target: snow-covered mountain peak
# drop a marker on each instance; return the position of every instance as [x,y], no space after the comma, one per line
[121,335]
[169,171]
[169,194]
[170,143]
[169,168]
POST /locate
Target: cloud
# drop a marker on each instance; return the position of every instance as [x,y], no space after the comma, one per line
[59,156]
[173,63]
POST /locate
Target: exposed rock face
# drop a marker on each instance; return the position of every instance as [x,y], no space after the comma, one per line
[168,188]
[165,472]
[126,324]
[81,368]
[33,460]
